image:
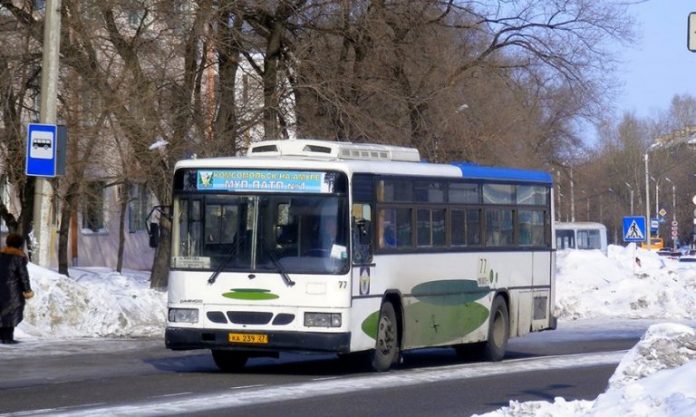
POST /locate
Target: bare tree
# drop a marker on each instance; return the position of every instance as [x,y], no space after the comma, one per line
[19,85]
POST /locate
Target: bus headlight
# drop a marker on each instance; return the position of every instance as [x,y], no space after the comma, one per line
[322,319]
[183,315]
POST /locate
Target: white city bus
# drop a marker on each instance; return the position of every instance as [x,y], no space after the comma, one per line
[307,245]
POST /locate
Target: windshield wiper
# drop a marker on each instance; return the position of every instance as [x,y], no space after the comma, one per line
[226,262]
[279,267]
[219,269]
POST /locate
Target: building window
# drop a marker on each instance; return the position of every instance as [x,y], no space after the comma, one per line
[93,206]
[136,17]
[138,207]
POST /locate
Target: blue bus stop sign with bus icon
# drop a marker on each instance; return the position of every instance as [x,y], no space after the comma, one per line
[45,150]
[634,229]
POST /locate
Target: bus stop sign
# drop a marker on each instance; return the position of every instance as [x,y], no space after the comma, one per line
[634,229]
[45,150]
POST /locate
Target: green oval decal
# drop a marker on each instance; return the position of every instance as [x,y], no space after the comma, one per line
[449,292]
[431,324]
[369,325]
[250,294]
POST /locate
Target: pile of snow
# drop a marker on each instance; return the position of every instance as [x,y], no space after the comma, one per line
[591,285]
[92,302]
[655,378]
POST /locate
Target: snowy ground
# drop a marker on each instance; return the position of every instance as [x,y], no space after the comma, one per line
[656,378]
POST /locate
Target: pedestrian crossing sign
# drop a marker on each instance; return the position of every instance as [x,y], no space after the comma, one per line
[634,229]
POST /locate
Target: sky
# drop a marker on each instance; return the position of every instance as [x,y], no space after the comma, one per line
[659,65]
[594,292]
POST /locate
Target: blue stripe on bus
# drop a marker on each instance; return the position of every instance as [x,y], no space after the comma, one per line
[472,171]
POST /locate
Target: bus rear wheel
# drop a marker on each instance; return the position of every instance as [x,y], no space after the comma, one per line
[386,351]
[498,331]
[229,361]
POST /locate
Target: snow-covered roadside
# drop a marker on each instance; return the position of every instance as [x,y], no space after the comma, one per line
[93,302]
[614,286]
[655,378]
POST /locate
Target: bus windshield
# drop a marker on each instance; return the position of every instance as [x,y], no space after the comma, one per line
[296,233]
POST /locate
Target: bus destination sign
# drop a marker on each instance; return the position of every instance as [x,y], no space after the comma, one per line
[255,180]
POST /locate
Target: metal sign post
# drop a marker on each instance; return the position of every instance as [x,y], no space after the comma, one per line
[634,230]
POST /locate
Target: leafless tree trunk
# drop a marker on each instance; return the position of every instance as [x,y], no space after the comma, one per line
[123,209]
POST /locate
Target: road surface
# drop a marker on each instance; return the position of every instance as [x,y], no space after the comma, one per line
[141,377]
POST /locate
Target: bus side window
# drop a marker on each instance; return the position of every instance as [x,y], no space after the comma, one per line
[386,228]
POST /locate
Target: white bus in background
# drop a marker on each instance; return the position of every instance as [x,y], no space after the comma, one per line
[307,245]
[581,235]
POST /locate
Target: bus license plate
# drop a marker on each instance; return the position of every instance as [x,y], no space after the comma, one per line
[247,338]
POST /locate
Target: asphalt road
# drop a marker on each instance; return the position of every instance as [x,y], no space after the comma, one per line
[141,377]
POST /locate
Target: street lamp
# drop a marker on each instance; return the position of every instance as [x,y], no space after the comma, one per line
[558,205]
[647,193]
[631,191]
[657,195]
[647,200]
[674,210]
[572,196]
[587,198]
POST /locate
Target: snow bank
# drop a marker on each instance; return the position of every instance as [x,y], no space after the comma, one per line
[92,302]
[591,285]
[655,378]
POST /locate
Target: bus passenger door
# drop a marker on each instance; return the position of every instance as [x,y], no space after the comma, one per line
[363,266]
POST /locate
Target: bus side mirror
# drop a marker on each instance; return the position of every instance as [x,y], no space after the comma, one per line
[153,233]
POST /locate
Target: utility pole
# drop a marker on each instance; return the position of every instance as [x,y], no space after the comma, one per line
[647,201]
[43,191]
[572,196]
[558,206]
[674,211]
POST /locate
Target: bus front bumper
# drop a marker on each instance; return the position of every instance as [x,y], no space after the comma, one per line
[177,338]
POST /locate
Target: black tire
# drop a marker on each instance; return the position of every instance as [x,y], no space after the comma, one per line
[387,350]
[229,361]
[498,331]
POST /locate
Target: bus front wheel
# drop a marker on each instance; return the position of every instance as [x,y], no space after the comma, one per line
[498,331]
[386,351]
[229,361]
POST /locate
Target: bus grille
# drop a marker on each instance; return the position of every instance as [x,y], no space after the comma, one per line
[249,317]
